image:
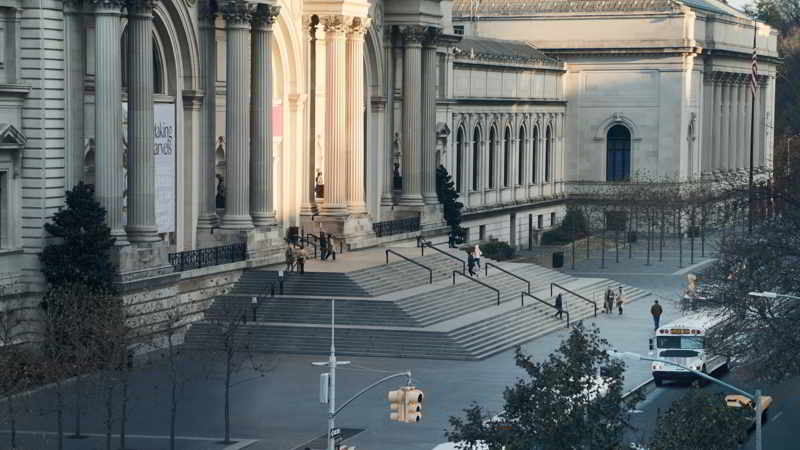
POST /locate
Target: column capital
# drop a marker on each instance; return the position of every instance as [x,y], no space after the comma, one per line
[358,27]
[264,16]
[413,35]
[141,7]
[207,10]
[108,5]
[335,23]
[73,6]
[433,36]
[237,12]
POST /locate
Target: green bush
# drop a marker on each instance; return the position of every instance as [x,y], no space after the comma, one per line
[574,222]
[497,250]
[556,237]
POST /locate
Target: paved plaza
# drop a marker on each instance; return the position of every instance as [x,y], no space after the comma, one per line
[281,409]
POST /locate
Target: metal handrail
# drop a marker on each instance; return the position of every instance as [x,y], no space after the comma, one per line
[508,273]
[429,245]
[497,291]
[575,294]
[307,242]
[522,303]
[430,271]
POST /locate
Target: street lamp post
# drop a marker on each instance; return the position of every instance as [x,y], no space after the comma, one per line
[756,398]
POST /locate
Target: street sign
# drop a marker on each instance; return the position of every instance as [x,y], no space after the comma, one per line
[336,432]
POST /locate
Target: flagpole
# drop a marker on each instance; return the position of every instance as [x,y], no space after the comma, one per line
[753,85]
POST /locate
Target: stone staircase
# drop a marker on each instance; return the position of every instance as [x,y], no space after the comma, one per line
[442,321]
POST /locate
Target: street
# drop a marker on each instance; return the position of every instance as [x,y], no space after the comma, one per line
[779,432]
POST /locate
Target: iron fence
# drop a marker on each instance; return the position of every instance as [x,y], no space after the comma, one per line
[207,257]
[398,226]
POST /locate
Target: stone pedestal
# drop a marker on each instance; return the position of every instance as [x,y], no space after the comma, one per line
[142,265]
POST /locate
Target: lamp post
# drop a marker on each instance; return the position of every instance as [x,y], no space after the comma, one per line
[771,295]
[755,398]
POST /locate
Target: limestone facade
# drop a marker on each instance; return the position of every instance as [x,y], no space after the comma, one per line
[335,114]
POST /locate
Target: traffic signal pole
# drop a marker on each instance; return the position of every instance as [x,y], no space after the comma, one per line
[332,363]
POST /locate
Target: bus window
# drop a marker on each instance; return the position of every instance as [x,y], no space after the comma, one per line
[681,342]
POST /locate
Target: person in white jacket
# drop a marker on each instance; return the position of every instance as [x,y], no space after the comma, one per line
[476,253]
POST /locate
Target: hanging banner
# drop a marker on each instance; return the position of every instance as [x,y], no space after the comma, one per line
[164,154]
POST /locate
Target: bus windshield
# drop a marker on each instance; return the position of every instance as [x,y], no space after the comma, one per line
[681,342]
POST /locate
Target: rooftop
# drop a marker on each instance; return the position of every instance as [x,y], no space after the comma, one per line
[467,8]
[503,51]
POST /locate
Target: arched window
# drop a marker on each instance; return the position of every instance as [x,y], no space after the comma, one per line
[507,158]
[492,155]
[158,65]
[476,158]
[535,155]
[547,153]
[521,157]
[459,157]
[618,162]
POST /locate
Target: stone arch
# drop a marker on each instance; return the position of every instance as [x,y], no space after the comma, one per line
[535,136]
[492,157]
[522,135]
[507,156]
[374,124]
[617,119]
[477,136]
[461,135]
[618,153]
[548,152]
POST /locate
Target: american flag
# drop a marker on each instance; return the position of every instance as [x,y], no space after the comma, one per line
[754,72]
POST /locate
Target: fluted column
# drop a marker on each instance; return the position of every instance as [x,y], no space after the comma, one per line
[261,191]
[141,163]
[716,149]
[75,65]
[745,164]
[355,115]
[725,131]
[207,218]
[735,124]
[107,119]
[428,117]
[335,116]
[412,99]
[743,126]
[237,14]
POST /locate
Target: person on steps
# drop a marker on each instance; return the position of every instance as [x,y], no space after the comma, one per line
[656,312]
[559,306]
[301,259]
[619,301]
[477,252]
[471,264]
[323,246]
[289,258]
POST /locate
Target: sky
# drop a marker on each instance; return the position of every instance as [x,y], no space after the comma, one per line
[739,3]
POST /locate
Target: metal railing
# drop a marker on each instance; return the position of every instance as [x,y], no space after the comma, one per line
[522,303]
[398,226]
[207,257]
[575,294]
[496,291]
[430,271]
[429,245]
[486,270]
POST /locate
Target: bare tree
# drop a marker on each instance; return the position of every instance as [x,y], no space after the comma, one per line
[16,362]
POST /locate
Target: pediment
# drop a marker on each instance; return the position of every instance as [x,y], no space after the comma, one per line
[11,137]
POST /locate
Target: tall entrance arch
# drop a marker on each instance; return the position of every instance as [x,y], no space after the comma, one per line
[618,153]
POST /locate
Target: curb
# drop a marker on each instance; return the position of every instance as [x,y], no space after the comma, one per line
[644,388]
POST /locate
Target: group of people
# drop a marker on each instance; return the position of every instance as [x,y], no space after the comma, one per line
[326,249]
[474,260]
[296,256]
[612,298]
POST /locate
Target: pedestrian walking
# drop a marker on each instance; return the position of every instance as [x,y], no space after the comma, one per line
[656,311]
[331,249]
[559,306]
[471,263]
[323,246]
[477,252]
[608,301]
[289,259]
[300,256]
[619,301]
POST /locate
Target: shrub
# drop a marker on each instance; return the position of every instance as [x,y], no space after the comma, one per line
[556,237]
[497,250]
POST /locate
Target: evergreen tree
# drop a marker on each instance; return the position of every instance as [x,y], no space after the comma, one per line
[448,197]
[81,253]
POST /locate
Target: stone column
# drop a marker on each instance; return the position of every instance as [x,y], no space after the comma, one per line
[355,115]
[390,44]
[428,117]
[735,125]
[207,218]
[716,149]
[412,98]
[725,127]
[75,65]
[237,14]
[261,191]
[141,163]
[335,116]
[108,115]
[744,144]
[748,108]
[308,206]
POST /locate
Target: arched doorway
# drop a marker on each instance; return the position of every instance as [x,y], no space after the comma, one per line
[618,159]
[507,158]
[548,142]
[492,155]
[535,155]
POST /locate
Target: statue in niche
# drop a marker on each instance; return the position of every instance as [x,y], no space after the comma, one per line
[319,185]
[220,192]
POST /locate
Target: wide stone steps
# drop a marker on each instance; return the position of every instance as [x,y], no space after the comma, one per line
[317,311]
[349,341]
[518,326]
[447,303]
[400,275]
[328,284]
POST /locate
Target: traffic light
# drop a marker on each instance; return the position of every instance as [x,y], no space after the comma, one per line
[396,405]
[413,405]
